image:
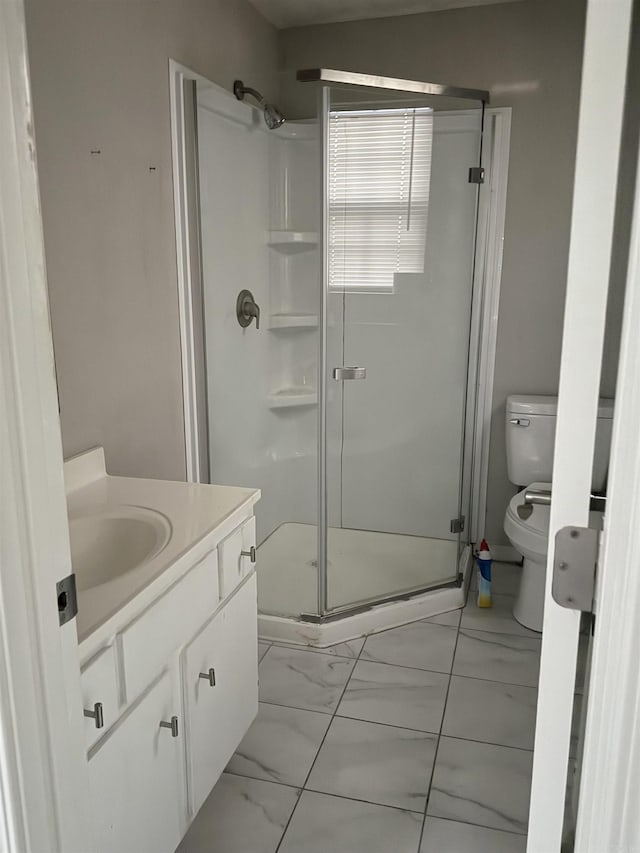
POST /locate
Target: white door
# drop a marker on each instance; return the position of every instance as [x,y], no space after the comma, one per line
[43,768]
[599,132]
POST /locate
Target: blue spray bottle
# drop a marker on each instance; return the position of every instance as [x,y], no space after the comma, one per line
[484,575]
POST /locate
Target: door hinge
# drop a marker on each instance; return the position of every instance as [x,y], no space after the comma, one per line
[457,524]
[476,175]
[67,598]
[574,568]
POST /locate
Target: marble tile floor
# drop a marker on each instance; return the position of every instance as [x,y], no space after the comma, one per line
[417,740]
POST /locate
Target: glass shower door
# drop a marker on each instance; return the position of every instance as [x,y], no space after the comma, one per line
[400,237]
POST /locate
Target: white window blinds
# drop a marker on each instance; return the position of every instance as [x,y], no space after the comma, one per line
[379,171]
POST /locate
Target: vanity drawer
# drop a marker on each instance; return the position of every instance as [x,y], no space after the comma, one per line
[232,565]
[169,623]
[99,683]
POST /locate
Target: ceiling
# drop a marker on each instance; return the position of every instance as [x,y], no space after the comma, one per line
[296,13]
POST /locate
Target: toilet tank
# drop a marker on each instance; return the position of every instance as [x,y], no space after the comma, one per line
[530,439]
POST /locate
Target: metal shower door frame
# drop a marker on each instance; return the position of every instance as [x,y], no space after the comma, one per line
[328,77]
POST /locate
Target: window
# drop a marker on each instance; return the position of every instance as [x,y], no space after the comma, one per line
[379,171]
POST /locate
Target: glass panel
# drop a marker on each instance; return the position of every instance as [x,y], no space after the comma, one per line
[401,219]
[260,219]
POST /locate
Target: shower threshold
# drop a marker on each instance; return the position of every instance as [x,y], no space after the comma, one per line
[375,581]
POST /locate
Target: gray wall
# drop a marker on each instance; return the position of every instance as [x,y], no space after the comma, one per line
[529,56]
[100,83]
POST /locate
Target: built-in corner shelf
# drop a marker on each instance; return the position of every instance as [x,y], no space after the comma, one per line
[292,242]
[292,397]
[293,321]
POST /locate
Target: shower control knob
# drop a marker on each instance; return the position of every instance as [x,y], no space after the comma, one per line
[247,309]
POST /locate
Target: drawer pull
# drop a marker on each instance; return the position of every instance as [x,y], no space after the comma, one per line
[251,553]
[173,725]
[210,676]
[96,715]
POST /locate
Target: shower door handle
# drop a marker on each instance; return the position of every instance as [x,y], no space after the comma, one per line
[343,373]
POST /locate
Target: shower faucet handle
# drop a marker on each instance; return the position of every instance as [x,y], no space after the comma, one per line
[247,309]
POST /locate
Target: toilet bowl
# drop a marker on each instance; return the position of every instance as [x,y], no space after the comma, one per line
[530,537]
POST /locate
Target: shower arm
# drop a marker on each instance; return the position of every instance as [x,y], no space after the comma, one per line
[240,91]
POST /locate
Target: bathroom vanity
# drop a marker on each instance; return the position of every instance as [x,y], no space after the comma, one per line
[168,645]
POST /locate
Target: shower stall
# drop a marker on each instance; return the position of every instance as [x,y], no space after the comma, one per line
[336,307]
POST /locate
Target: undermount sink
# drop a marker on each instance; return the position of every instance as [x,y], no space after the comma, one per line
[107,544]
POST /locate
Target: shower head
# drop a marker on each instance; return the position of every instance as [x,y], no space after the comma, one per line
[273,118]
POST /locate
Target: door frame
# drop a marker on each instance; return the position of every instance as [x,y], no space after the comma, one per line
[43,767]
[189,259]
[486,294]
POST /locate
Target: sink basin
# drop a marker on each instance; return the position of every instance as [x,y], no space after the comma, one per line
[108,544]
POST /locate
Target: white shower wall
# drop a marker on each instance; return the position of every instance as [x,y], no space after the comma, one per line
[248,177]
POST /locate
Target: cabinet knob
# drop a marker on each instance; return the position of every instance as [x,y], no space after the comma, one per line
[96,715]
[173,725]
[251,553]
[210,676]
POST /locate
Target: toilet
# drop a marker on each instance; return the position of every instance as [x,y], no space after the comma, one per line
[530,439]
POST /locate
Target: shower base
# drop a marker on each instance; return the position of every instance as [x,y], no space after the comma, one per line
[362,565]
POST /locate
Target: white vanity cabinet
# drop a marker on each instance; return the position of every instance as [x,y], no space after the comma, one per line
[187,653]
[220,684]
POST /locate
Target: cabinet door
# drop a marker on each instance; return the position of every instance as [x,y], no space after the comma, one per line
[136,779]
[219,713]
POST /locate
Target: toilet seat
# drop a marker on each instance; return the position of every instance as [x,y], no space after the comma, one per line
[531,535]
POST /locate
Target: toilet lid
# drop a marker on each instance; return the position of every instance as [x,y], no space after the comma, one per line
[538,521]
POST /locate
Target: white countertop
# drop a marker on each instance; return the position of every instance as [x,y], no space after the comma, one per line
[194,511]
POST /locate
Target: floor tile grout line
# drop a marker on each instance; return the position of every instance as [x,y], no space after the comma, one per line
[435,756]
[437,734]
[387,725]
[261,779]
[495,681]
[303,786]
[478,825]
[522,636]
[413,669]
[485,742]
[363,800]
